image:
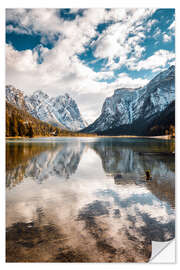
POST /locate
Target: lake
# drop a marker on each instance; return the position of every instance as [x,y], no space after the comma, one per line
[87,199]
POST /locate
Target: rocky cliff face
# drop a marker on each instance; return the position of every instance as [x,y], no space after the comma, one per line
[128,106]
[61,111]
[15,97]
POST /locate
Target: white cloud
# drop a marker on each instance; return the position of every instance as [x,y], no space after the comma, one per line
[34,20]
[125,81]
[158,59]
[114,41]
[59,73]
[150,23]
[10,28]
[105,75]
[123,38]
[157,33]
[166,38]
[60,70]
[172,62]
[21,60]
[48,22]
[111,44]
[172,26]
[170,32]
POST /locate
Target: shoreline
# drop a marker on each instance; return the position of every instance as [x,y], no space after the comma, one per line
[162,137]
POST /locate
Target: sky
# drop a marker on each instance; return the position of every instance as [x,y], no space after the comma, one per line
[87,53]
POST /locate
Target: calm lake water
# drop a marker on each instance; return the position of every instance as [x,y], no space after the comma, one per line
[86,199]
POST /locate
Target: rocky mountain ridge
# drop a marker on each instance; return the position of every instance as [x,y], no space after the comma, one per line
[61,111]
[130,107]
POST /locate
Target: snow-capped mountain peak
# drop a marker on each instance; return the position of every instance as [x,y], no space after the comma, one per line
[15,96]
[61,111]
[127,106]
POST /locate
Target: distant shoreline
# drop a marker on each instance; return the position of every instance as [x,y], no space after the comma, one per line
[163,137]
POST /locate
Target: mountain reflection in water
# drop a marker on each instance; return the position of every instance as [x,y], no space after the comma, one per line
[86,199]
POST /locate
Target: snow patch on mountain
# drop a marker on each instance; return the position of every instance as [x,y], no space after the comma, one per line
[61,111]
[15,97]
[128,105]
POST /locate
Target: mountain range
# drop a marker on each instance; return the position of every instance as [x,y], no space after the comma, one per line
[139,111]
[61,111]
[148,110]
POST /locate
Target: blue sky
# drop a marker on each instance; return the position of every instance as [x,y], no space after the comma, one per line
[87,52]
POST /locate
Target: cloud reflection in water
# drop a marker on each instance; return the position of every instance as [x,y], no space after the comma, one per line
[70,187]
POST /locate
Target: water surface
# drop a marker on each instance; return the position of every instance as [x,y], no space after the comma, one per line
[87,200]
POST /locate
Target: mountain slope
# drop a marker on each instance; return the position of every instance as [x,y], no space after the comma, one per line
[158,125]
[21,123]
[15,97]
[61,111]
[132,111]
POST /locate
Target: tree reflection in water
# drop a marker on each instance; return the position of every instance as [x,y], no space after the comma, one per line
[87,200]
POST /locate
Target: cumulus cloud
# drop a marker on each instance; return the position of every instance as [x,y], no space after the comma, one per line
[21,60]
[59,70]
[123,38]
[34,20]
[124,80]
[59,74]
[113,41]
[159,59]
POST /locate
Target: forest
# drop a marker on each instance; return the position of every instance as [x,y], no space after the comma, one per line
[20,123]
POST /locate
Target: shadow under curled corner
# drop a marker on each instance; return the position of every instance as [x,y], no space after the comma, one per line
[163,252]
